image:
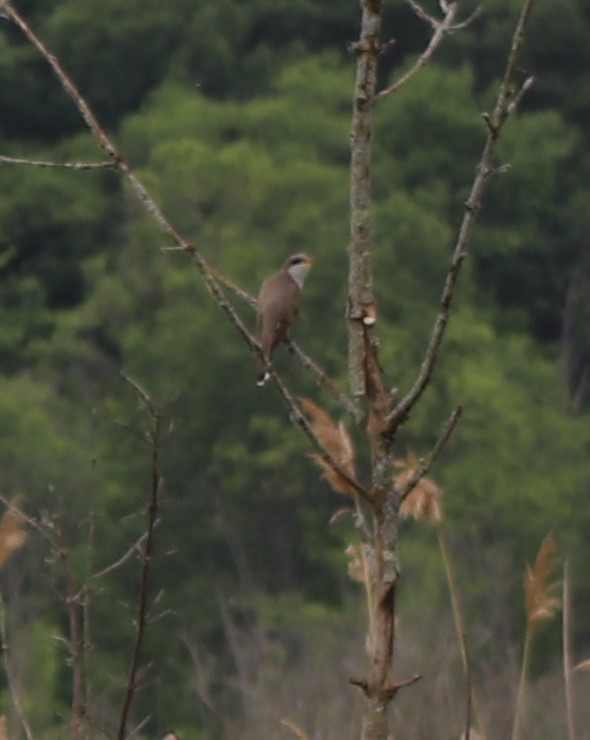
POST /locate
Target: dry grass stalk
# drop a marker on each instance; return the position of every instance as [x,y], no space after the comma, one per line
[297,731]
[473,735]
[425,502]
[337,442]
[425,499]
[360,570]
[566,641]
[12,534]
[356,563]
[540,604]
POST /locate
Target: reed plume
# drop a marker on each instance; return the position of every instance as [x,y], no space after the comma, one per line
[540,606]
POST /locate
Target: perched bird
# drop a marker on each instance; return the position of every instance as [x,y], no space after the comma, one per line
[278,305]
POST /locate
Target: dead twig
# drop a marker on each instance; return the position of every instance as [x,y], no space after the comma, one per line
[505,105]
[441,28]
[299,418]
[12,689]
[213,278]
[429,460]
[58,165]
[146,549]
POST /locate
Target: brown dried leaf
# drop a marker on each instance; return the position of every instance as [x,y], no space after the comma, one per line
[340,513]
[337,443]
[346,459]
[583,666]
[540,604]
[336,480]
[12,534]
[425,500]
[357,569]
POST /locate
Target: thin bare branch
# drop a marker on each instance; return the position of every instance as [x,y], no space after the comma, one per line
[140,191]
[12,689]
[324,380]
[240,293]
[142,393]
[139,727]
[76,646]
[468,21]
[295,729]
[299,418]
[503,108]
[133,550]
[36,525]
[141,620]
[58,165]
[441,29]
[213,278]
[429,460]
[423,15]
[526,85]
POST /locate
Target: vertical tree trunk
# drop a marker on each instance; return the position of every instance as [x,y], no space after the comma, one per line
[379,687]
[360,310]
[365,378]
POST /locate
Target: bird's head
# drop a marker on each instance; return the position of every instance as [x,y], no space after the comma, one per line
[297,265]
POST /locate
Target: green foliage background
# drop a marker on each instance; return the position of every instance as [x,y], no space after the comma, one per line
[236,116]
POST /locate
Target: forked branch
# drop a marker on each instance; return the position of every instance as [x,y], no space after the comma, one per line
[213,279]
[432,456]
[441,27]
[508,98]
[155,435]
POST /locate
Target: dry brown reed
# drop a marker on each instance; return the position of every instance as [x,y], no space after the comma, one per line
[337,442]
[12,534]
[540,606]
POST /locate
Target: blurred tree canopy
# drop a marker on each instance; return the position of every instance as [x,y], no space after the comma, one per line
[236,115]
